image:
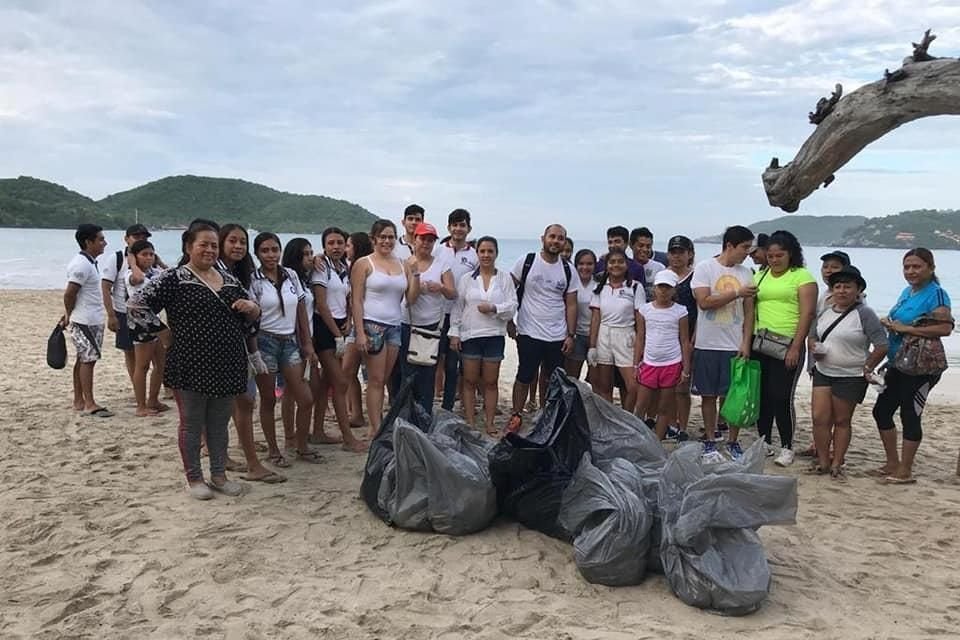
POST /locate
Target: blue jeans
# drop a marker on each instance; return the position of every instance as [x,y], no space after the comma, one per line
[424,377]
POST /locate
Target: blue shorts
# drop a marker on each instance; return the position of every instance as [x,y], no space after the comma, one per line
[391,332]
[278,351]
[124,341]
[488,349]
[711,372]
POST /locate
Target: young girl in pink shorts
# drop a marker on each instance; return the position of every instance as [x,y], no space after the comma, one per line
[663,349]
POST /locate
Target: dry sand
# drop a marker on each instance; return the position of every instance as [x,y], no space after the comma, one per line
[101,541]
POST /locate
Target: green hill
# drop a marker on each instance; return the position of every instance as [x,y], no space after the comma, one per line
[175,201]
[812,230]
[921,228]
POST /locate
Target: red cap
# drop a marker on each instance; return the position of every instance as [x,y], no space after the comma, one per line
[426,229]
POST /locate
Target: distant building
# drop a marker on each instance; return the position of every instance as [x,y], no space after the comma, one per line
[905,236]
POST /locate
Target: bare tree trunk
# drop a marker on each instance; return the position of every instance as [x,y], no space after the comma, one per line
[917,90]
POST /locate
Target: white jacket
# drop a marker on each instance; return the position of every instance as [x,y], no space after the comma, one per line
[466,322]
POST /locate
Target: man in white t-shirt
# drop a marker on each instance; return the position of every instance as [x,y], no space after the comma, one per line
[412,216]
[113,272]
[83,316]
[724,291]
[462,258]
[546,318]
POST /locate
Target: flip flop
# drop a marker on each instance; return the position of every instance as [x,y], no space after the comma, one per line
[310,456]
[102,412]
[271,477]
[237,466]
[324,439]
[279,460]
[816,470]
[160,407]
[879,472]
[896,480]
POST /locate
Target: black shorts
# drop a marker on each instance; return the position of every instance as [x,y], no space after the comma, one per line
[323,339]
[533,354]
[849,388]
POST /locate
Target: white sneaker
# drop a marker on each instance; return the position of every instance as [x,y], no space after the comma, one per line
[200,491]
[785,459]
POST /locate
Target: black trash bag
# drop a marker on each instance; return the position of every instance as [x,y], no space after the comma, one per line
[441,480]
[610,524]
[615,433]
[380,456]
[711,553]
[57,348]
[532,468]
[644,480]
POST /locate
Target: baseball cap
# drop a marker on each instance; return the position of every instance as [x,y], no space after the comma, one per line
[426,229]
[840,256]
[665,276]
[680,242]
[761,242]
[138,230]
[848,273]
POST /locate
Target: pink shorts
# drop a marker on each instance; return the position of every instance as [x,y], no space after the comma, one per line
[662,377]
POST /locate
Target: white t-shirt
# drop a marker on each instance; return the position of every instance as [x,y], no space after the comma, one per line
[584,296]
[429,307]
[543,311]
[264,293]
[337,284]
[661,344]
[462,262]
[108,271]
[849,342]
[616,305]
[133,289]
[82,270]
[720,329]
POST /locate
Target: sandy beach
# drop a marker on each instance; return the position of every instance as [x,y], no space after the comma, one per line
[100,539]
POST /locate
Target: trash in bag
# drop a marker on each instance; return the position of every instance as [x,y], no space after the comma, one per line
[615,433]
[610,525]
[441,479]
[741,407]
[644,480]
[711,553]
[57,348]
[380,456]
[532,468]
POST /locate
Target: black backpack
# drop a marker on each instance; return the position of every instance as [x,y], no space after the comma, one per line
[527,265]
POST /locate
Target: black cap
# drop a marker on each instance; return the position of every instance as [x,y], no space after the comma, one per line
[680,242]
[761,242]
[840,256]
[847,274]
[138,230]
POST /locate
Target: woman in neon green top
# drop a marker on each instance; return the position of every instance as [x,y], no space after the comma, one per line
[786,302]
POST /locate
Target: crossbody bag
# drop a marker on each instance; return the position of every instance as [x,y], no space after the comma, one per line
[769,343]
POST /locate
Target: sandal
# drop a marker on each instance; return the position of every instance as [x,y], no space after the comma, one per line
[896,480]
[879,472]
[323,439]
[237,466]
[279,460]
[816,470]
[310,456]
[101,412]
[271,477]
[838,474]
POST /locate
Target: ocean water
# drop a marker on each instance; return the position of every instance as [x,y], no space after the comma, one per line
[37,259]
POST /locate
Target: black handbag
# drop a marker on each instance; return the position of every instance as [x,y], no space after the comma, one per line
[57,349]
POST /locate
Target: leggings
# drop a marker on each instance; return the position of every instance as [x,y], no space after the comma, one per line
[777,388]
[908,394]
[203,414]
[451,367]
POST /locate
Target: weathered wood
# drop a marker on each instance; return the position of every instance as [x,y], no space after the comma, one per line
[923,89]
[825,107]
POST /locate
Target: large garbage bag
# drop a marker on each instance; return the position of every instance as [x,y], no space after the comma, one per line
[532,468]
[711,553]
[610,524]
[644,480]
[615,433]
[379,472]
[442,480]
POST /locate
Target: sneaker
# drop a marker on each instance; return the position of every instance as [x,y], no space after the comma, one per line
[710,454]
[200,491]
[735,450]
[228,488]
[706,438]
[673,433]
[785,459]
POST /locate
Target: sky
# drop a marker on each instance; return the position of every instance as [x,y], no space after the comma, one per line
[586,112]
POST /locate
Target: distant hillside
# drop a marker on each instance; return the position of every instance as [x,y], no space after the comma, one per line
[922,228]
[812,230]
[175,201]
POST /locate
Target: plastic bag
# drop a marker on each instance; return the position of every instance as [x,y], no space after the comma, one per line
[615,433]
[741,408]
[609,523]
[441,479]
[644,480]
[533,467]
[711,553]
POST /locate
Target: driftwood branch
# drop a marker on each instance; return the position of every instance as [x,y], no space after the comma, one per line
[917,90]
[920,50]
[825,106]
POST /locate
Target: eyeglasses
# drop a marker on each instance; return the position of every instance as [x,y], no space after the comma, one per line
[385,237]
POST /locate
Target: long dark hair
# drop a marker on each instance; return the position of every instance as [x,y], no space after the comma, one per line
[243,269]
[789,243]
[262,237]
[927,256]
[293,258]
[190,235]
[627,282]
[379,225]
[362,246]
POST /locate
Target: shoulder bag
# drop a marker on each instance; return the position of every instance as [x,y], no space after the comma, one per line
[919,356]
[424,346]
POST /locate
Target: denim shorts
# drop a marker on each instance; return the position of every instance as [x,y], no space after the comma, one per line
[488,349]
[391,333]
[278,351]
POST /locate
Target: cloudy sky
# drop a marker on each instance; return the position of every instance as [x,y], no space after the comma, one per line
[589,112]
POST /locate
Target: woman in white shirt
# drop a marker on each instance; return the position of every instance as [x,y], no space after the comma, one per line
[286,347]
[585,262]
[486,301]
[379,283]
[426,311]
[613,330]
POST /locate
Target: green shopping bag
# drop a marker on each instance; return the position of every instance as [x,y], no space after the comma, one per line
[741,408]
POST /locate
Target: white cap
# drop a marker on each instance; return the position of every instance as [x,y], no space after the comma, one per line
[665,276]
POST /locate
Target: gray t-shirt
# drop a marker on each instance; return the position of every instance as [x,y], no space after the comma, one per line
[848,344]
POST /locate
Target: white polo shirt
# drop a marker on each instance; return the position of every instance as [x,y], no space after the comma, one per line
[83,271]
[461,261]
[265,294]
[109,272]
[617,305]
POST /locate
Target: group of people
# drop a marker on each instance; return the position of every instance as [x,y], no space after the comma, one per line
[294,325]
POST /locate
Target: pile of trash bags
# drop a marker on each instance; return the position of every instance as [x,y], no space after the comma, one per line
[589,473]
